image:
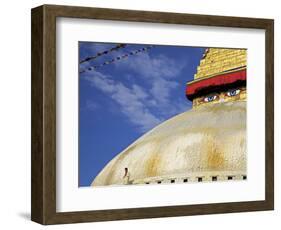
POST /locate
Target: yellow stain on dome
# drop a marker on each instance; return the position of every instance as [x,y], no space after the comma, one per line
[215,157]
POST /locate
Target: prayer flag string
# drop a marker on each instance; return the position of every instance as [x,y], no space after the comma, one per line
[119,46]
[118,58]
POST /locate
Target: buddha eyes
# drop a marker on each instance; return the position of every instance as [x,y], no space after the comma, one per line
[210,98]
[229,93]
[233,92]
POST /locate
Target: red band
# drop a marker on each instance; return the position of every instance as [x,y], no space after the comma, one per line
[219,80]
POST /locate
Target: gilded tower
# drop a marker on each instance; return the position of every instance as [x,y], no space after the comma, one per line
[220,77]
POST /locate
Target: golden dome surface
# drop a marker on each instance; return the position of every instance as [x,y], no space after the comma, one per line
[203,143]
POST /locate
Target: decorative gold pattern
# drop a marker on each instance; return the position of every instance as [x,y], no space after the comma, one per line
[217,61]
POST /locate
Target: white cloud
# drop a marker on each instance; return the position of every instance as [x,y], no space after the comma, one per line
[90,105]
[160,71]
[139,92]
[161,90]
[152,67]
[130,100]
[144,108]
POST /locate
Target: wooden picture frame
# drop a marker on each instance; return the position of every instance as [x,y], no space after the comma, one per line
[43,188]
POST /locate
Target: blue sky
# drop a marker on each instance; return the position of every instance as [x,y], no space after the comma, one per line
[121,101]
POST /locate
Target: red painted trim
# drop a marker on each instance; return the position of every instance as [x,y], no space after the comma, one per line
[215,81]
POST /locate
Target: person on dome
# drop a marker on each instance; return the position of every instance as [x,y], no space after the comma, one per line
[126,177]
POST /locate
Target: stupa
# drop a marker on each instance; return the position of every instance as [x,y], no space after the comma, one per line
[206,143]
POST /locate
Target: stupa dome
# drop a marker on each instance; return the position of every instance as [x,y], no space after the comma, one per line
[204,143]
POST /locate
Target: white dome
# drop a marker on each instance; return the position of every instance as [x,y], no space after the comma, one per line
[206,142]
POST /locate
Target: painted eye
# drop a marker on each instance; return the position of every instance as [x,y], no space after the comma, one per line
[210,98]
[233,92]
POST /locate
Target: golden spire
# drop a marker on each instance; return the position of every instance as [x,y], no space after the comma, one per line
[220,77]
[216,61]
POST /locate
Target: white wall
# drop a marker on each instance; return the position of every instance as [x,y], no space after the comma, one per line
[15,113]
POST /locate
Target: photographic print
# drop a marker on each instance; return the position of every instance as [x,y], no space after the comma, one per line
[147,104]
[161,114]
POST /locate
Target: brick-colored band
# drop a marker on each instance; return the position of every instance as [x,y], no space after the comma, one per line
[214,82]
